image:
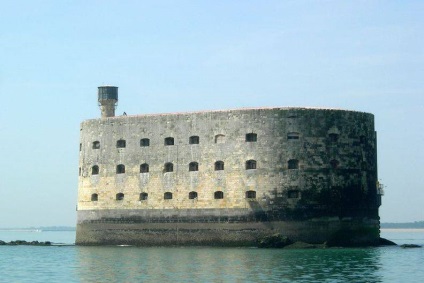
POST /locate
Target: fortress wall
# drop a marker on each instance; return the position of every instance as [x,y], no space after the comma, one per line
[335,149]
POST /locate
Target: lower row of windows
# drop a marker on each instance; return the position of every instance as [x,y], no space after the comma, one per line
[193,195]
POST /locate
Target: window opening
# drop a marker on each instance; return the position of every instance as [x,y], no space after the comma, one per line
[192,195]
[144,196]
[167,195]
[96,145]
[219,165]
[121,144]
[293,194]
[193,140]
[144,168]
[251,194]
[120,169]
[144,142]
[119,196]
[95,170]
[169,167]
[169,141]
[293,136]
[94,197]
[193,166]
[218,195]
[251,137]
[250,164]
[220,139]
[293,164]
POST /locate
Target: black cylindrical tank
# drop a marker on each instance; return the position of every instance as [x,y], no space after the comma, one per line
[108,93]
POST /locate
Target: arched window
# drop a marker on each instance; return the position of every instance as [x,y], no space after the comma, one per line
[120,169]
[193,166]
[95,170]
[293,136]
[144,168]
[94,197]
[96,145]
[220,138]
[169,167]
[169,141]
[293,194]
[193,140]
[251,137]
[121,143]
[333,137]
[119,196]
[218,195]
[250,164]
[144,196]
[192,195]
[167,195]
[334,163]
[144,142]
[251,194]
[293,164]
[219,165]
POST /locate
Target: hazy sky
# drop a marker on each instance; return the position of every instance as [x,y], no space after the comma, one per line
[173,56]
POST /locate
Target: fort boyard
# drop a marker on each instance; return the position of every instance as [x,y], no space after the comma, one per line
[227,177]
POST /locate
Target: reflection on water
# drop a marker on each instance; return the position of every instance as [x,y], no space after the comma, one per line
[130,264]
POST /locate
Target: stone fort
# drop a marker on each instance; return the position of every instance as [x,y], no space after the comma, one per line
[227,177]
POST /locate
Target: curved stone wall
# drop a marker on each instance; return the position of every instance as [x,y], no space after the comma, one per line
[250,171]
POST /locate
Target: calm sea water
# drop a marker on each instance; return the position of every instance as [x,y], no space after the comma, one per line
[132,264]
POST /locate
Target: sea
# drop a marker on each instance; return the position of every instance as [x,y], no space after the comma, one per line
[65,262]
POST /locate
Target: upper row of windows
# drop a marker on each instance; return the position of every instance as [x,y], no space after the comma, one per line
[251,137]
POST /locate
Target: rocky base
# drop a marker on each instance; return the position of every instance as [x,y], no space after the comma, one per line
[280,241]
[25,243]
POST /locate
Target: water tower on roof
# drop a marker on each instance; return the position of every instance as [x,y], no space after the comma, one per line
[108,98]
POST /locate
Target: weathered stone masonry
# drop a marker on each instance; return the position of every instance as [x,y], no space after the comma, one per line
[236,176]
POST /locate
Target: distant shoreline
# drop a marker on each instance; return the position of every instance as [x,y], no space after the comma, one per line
[407,225]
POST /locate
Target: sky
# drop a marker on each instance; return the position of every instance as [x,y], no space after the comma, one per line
[176,56]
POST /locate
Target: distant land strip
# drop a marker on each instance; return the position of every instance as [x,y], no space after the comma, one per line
[406,225]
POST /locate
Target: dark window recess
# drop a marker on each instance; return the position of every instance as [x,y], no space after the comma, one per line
[293,194]
[144,168]
[96,145]
[169,167]
[120,169]
[79,171]
[251,194]
[293,136]
[218,195]
[94,197]
[193,166]
[80,146]
[334,163]
[144,142]
[193,140]
[119,196]
[252,137]
[250,164]
[169,141]
[192,195]
[144,196]
[293,164]
[220,139]
[219,165]
[333,137]
[121,144]
[95,170]
[167,195]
